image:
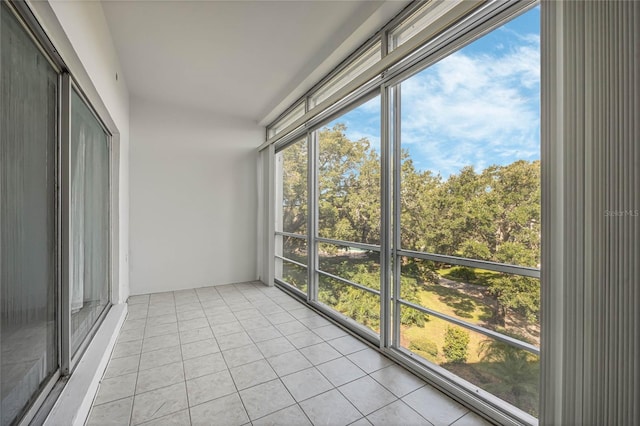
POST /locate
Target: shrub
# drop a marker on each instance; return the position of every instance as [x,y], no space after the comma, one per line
[423,344]
[462,273]
[456,345]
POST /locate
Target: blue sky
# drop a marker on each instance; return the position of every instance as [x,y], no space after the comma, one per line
[479,106]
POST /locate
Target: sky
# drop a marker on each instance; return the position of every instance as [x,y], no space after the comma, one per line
[479,106]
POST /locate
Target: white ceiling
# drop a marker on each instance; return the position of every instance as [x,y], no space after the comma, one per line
[246,59]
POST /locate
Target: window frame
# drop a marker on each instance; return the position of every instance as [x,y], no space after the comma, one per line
[42,402]
[281,233]
[72,85]
[460,33]
[21,13]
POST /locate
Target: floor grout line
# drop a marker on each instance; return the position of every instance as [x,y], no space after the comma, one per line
[133,403]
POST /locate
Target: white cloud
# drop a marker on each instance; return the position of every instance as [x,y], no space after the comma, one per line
[475,108]
[363,122]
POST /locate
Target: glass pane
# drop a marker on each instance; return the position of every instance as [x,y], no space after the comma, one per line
[358,266]
[292,274]
[291,188]
[287,120]
[509,304]
[350,72]
[470,187]
[28,100]
[292,248]
[359,305]
[89,220]
[353,264]
[349,176]
[509,373]
[470,134]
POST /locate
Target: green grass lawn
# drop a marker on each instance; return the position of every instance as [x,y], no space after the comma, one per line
[434,330]
[476,370]
[455,273]
[487,375]
[454,303]
[431,335]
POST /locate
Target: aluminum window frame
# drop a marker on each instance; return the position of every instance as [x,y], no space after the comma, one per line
[292,235]
[468,29]
[34,31]
[348,61]
[289,116]
[354,87]
[463,31]
[349,104]
[412,22]
[74,87]
[481,22]
[347,72]
[288,142]
[290,288]
[45,398]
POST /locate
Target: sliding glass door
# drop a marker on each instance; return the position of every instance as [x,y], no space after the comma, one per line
[89,210]
[28,288]
[54,219]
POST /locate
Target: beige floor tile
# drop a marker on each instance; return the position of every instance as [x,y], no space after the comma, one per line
[211,386]
[158,377]
[367,395]
[159,403]
[330,409]
[228,411]
[116,413]
[265,399]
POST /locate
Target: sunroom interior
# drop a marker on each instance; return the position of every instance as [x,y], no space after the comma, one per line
[319,212]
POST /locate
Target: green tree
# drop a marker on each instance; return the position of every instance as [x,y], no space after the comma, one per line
[516,293]
[294,188]
[294,201]
[363,306]
[517,191]
[420,211]
[349,187]
[518,372]
[492,214]
[456,345]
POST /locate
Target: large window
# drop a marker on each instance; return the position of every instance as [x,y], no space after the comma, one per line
[411,213]
[349,176]
[469,154]
[348,233]
[29,333]
[54,220]
[292,215]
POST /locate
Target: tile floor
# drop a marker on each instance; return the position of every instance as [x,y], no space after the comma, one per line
[249,354]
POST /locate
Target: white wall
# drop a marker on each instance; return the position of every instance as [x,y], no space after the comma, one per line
[80,33]
[193,198]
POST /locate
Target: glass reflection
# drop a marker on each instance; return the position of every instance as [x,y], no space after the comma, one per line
[28,337]
[89,221]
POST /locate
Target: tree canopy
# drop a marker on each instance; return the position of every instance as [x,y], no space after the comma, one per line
[491,214]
